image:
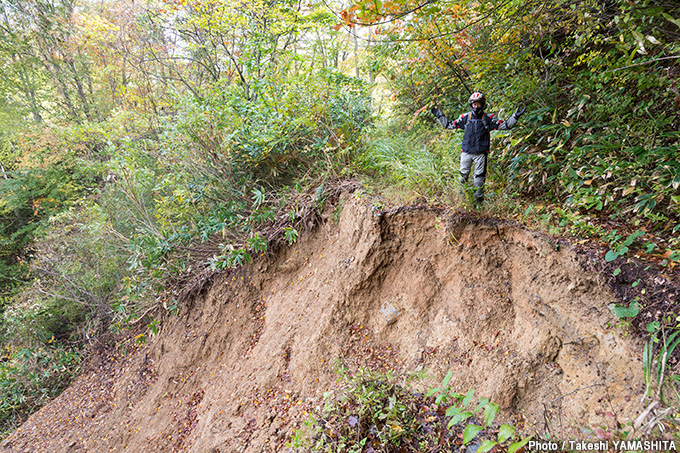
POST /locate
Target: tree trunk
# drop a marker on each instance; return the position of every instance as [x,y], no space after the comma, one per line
[54,70]
[356,52]
[371,76]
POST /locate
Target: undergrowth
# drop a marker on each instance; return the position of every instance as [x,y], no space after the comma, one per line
[32,376]
[375,412]
[417,164]
[370,411]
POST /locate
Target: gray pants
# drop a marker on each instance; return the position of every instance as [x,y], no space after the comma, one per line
[466,161]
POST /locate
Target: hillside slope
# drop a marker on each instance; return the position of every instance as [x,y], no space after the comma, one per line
[517,319]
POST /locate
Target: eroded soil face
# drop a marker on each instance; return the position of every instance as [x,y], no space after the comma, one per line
[516,319]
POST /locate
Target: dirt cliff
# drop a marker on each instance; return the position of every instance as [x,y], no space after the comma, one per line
[515,317]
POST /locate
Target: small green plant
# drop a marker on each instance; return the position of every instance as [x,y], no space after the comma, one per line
[656,366]
[335,218]
[172,308]
[621,311]
[461,413]
[661,412]
[444,392]
[622,248]
[506,433]
[381,412]
[153,326]
[290,234]
[462,410]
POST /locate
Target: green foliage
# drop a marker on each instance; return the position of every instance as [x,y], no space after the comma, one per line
[291,235]
[225,159]
[656,354]
[662,394]
[76,272]
[444,392]
[619,249]
[461,410]
[377,411]
[605,140]
[600,133]
[373,410]
[289,127]
[50,173]
[30,377]
[34,56]
[54,284]
[419,161]
[622,311]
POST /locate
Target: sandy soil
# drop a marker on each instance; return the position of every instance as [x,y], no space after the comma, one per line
[516,319]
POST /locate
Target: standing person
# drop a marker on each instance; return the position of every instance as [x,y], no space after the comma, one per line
[476,138]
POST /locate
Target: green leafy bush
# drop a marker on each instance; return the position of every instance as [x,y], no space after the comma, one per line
[372,411]
[223,164]
[77,271]
[30,377]
[49,173]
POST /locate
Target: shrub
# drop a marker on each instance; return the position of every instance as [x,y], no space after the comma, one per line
[372,411]
[30,377]
[77,270]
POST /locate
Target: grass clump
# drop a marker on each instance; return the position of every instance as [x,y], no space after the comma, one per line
[420,163]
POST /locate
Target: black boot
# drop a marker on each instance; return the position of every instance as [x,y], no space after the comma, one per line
[479,196]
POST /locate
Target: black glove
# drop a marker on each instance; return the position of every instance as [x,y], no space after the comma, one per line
[519,112]
[435,111]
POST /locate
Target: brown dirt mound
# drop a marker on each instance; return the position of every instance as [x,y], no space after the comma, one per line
[515,318]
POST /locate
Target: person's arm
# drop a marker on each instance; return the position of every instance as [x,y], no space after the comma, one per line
[447,123]
[509,123]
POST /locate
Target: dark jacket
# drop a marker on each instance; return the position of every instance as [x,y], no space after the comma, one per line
[476,138]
